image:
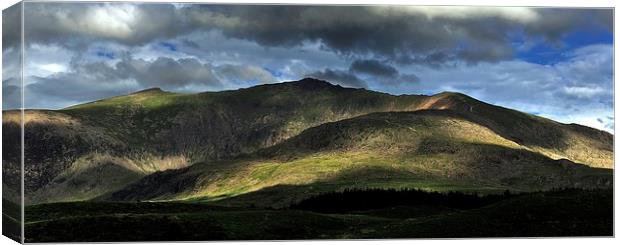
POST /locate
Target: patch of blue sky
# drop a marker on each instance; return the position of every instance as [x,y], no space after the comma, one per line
[105,54]
[546,53]
[168,45]
[274,72]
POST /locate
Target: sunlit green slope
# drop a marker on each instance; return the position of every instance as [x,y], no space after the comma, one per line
[429,149]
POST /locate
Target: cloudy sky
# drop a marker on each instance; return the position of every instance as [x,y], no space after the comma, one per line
[553,62]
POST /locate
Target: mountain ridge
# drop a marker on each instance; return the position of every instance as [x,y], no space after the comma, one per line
[153,130]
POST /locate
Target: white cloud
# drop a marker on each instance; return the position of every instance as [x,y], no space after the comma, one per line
[90,80]
[53,67]
[85,45]
[519,14]
[44,60]
[599,118]
[107,20]
[402,33]
[579,89]
[243,75]
[584,92]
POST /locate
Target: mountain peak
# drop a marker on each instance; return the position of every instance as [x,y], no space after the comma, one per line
[312,80]
[148,90]
[452,94]
[313,83]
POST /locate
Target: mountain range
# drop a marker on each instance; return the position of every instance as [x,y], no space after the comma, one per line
[275,144]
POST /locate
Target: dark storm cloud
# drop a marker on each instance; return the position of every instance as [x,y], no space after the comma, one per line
[96,80]
[85,82]
[360,30]
[90,81]
[441,33]
[11,53]
[400,33]
[11,26]
[409,78]
[373,67]
[166,72]
[381,72]
[11,95]
[65,89]
[343,78]
[558,22]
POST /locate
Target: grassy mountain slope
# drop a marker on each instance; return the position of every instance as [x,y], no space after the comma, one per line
[216,125]
[153,130]
[59,147]
[571,141]
[429,149]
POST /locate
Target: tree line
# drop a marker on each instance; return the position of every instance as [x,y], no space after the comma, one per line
[373,198]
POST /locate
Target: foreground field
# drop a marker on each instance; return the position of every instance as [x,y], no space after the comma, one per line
[556,213]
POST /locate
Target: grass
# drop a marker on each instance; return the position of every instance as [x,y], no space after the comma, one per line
[336,171]
[87,183]
[555,213]
[560,213]
[11,220]
[328,170]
